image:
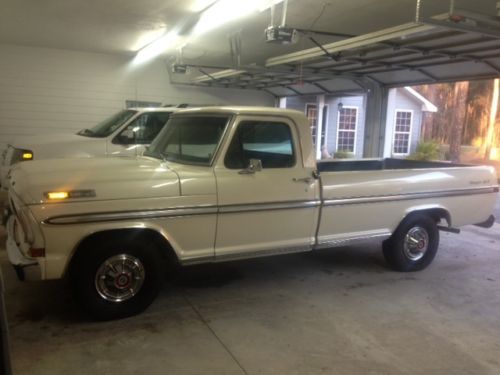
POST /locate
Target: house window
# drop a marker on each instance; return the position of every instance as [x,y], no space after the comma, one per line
[312,119]
[402,130]
[346,133]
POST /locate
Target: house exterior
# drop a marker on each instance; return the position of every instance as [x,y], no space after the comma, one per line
[406,109]
[341,122]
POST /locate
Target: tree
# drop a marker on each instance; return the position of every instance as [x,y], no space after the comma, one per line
[458,118]
[490,135]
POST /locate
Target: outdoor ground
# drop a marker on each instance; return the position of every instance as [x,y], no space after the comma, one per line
[336,311]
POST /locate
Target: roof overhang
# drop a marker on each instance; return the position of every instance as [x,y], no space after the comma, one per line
[427,106]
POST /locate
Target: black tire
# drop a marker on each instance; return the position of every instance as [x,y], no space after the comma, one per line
[415,252]
[134,258]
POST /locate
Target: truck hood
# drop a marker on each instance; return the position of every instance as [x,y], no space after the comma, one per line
[60,145]
[109,178]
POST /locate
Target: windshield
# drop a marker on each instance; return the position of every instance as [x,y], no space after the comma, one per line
[190,140]
[108,126]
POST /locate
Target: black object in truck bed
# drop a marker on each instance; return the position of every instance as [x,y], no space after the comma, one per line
[380,164]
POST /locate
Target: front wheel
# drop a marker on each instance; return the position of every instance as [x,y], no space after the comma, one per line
[413,245]
[115,279]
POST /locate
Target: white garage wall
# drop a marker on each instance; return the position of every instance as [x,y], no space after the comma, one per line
[47,90]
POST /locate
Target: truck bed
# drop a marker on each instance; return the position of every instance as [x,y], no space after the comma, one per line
[380,164]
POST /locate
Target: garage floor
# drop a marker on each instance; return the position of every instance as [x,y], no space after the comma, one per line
[338,311]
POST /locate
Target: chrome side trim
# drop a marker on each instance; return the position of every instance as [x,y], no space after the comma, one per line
[268,206]
[410,196]
[177,212]
[262,253]
[351,241]
[284,250]
[130,215]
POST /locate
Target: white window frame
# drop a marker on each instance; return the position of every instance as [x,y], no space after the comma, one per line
[326,110]
[411,111]
[305,110]
[355,131]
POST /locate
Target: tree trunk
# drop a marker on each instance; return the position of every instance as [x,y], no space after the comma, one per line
[458,119]
[493,115]
[428,120]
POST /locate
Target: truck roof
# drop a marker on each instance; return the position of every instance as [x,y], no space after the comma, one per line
[244,110]
[155,109]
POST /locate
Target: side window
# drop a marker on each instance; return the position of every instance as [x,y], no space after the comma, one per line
[143,129]
[270,142]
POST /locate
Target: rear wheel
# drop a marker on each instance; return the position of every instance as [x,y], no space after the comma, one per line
[413,245]
[115,279]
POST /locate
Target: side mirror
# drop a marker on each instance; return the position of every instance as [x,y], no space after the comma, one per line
[128,134]
[254,165]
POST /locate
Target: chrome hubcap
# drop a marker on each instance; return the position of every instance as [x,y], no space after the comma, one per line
[119,278]
[416,243]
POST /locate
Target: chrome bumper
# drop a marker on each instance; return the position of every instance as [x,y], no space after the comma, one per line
[26,268]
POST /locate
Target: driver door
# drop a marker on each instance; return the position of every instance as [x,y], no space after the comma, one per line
[273,207]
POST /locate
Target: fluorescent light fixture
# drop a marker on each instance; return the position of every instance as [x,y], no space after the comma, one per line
[200,5]
[166,42]
[350,43]
[224,11]
[214,14]
[221,74]
[262,5]
[148,37]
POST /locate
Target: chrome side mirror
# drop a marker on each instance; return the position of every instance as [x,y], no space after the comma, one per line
[254,165]
[128,134]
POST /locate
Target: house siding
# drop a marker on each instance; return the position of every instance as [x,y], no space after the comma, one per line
[45,91]
[400,99]
[333,113]
[299,103]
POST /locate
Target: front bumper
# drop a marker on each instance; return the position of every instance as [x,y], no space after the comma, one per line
[26,268]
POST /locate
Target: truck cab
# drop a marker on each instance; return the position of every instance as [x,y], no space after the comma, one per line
[125,133]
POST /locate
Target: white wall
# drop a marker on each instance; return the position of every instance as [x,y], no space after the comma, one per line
[47,90]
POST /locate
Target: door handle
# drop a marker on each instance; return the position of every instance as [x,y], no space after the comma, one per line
[307,180]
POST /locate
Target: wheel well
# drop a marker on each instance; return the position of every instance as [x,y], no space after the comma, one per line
[435,213]
[128,235]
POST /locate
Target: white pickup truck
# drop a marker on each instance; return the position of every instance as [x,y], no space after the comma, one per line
[220,184]
[124,133]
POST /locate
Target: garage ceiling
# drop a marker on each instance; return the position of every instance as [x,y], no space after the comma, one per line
[377,40]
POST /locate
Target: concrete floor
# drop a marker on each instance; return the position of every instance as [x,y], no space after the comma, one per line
[337,311]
